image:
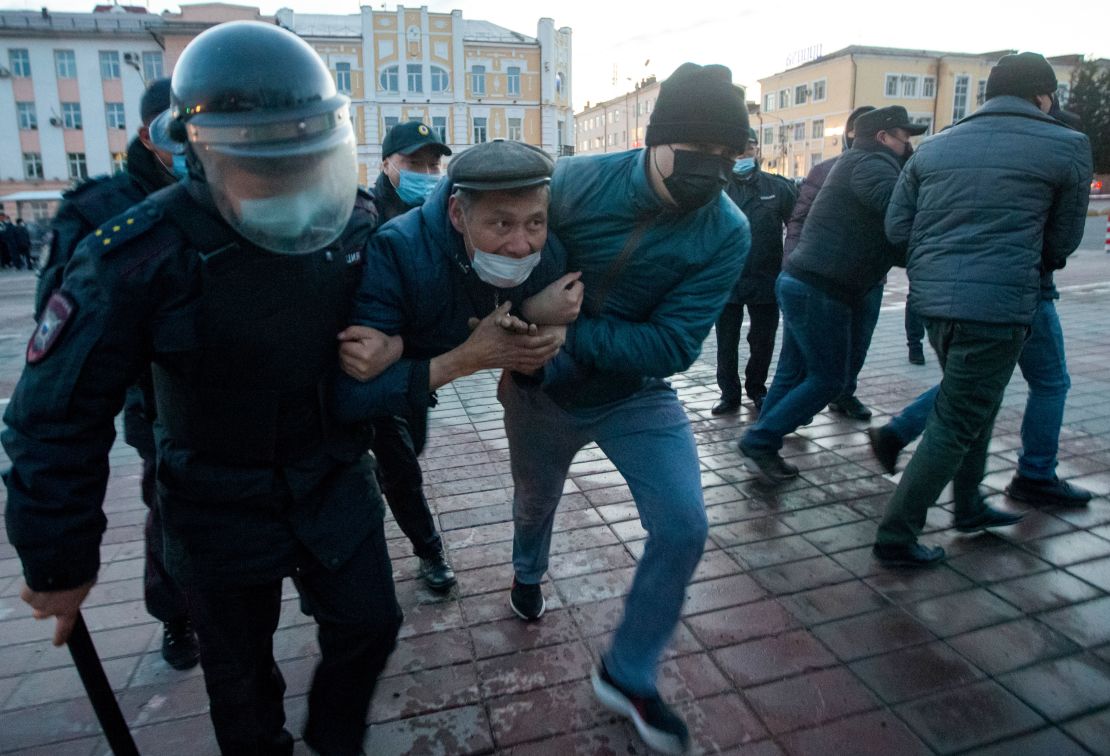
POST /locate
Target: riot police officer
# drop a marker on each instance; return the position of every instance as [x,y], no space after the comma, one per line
[233,284]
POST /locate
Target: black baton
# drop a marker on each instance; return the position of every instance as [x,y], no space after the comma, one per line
[100,692]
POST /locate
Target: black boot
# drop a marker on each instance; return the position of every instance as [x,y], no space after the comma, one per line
[436,572]
[179,644]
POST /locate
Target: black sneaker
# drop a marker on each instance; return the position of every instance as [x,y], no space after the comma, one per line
[659,726]
[437,573]
[987,517]
[771,468]
[726,407]
[907,555]
[179,644]
[526,600]
[851,407]
[886,446]
[916,355]
[1053,492]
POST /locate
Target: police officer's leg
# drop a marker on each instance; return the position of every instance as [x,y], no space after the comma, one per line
[729,323]
[761,344]
[403,485]
[235,628]
[358,616]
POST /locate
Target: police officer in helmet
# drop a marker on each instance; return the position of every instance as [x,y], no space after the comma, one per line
[232,284]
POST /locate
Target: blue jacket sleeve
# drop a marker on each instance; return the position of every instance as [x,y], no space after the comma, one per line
[1067,217]
[903,206]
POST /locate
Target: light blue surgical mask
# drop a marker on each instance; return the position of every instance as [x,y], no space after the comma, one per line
[413,188]
[285,216]
[744,166]
[502,271]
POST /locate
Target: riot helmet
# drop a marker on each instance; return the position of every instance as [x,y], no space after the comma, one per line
[273,139]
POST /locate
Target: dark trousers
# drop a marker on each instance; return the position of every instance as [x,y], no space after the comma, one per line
[403,485]
[761,347]
[915,328]
[864,318]
[165,600]
[358,617]
[978,360]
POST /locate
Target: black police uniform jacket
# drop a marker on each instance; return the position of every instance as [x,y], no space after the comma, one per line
[768,201]
[242,343]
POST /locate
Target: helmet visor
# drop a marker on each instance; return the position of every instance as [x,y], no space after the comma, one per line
[291,197]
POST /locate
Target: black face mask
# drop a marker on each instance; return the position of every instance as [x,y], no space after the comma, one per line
[1054,111]
[696,178]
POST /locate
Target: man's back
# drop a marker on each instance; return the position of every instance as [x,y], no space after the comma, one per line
[985,206]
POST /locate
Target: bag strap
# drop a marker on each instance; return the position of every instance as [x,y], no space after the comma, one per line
[594,304]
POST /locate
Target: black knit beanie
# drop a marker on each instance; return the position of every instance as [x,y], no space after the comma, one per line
[699,104]
[1025,75]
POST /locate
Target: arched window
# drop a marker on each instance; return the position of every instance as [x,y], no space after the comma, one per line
[389,81]
[440,79]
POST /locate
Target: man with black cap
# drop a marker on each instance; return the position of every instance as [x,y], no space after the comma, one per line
[154,161]
[659,246]
[470,281]
[826,283]
[767,200]
[410,171]
[847,403]
[989,207]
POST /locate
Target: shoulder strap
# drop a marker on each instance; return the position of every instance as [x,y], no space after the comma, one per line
[594,304]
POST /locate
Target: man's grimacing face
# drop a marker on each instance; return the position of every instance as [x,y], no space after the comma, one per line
[511,223]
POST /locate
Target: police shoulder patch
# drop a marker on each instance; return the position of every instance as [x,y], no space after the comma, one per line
[125,227]
[59,309]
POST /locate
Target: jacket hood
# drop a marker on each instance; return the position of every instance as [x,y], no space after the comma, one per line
[1011,105]
[437,224]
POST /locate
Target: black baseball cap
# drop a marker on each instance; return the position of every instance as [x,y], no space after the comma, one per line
[156,98]
[411,136]
[500,165]
[884,119]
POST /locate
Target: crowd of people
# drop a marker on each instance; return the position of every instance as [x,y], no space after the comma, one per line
[266,323]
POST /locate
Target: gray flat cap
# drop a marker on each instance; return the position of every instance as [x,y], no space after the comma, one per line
[499,165]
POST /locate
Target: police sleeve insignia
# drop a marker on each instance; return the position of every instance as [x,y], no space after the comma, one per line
[59,308]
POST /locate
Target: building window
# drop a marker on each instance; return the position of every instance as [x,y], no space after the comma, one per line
[343,77]
[909,86]
[981,92]
[119,162]
[819,90]
[77,168]
[65,64]
[389,80]
[959,98]
[152,66]
[800,132]
[479,132]
[439,126]
[40,211]
[559,83]
[784,98]
[415,79]
[109,64]
[818,128]
[782,134]
[440,79]
[768,102]
[71,115]
[814,159]
[478,81]
[800,93]
[389,122]
[20,63]
[28,120]
[513,81]
[891,89]
[768,135]
[114,111]
[516,129]
[32,165]
[929,87]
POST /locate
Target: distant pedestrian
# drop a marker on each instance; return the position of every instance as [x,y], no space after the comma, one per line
[767,200]
[988,207]
[826,283]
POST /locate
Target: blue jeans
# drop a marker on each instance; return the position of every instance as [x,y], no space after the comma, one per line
[1045,369]
[814,362]
[864,319]
[648,438]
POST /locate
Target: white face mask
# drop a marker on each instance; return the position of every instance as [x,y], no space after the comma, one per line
[284,216]
[501,271]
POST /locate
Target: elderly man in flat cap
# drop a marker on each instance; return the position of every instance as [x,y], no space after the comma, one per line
[469,281]
[989,208]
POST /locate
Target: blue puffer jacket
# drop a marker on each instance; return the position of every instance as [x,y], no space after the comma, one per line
[418,283]
[987,206]
[660,306]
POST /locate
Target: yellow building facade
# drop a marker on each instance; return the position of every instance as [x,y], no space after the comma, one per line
[802,111]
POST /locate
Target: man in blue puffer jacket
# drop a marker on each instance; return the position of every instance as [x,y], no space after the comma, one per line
[987,207]
[659,246]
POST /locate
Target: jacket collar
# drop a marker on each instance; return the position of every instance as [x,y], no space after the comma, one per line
[437,222]
[645,201]
[1010,105]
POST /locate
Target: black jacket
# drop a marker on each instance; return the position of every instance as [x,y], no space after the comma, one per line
[767,200]
[844,250]
[387,202]
[807,192]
